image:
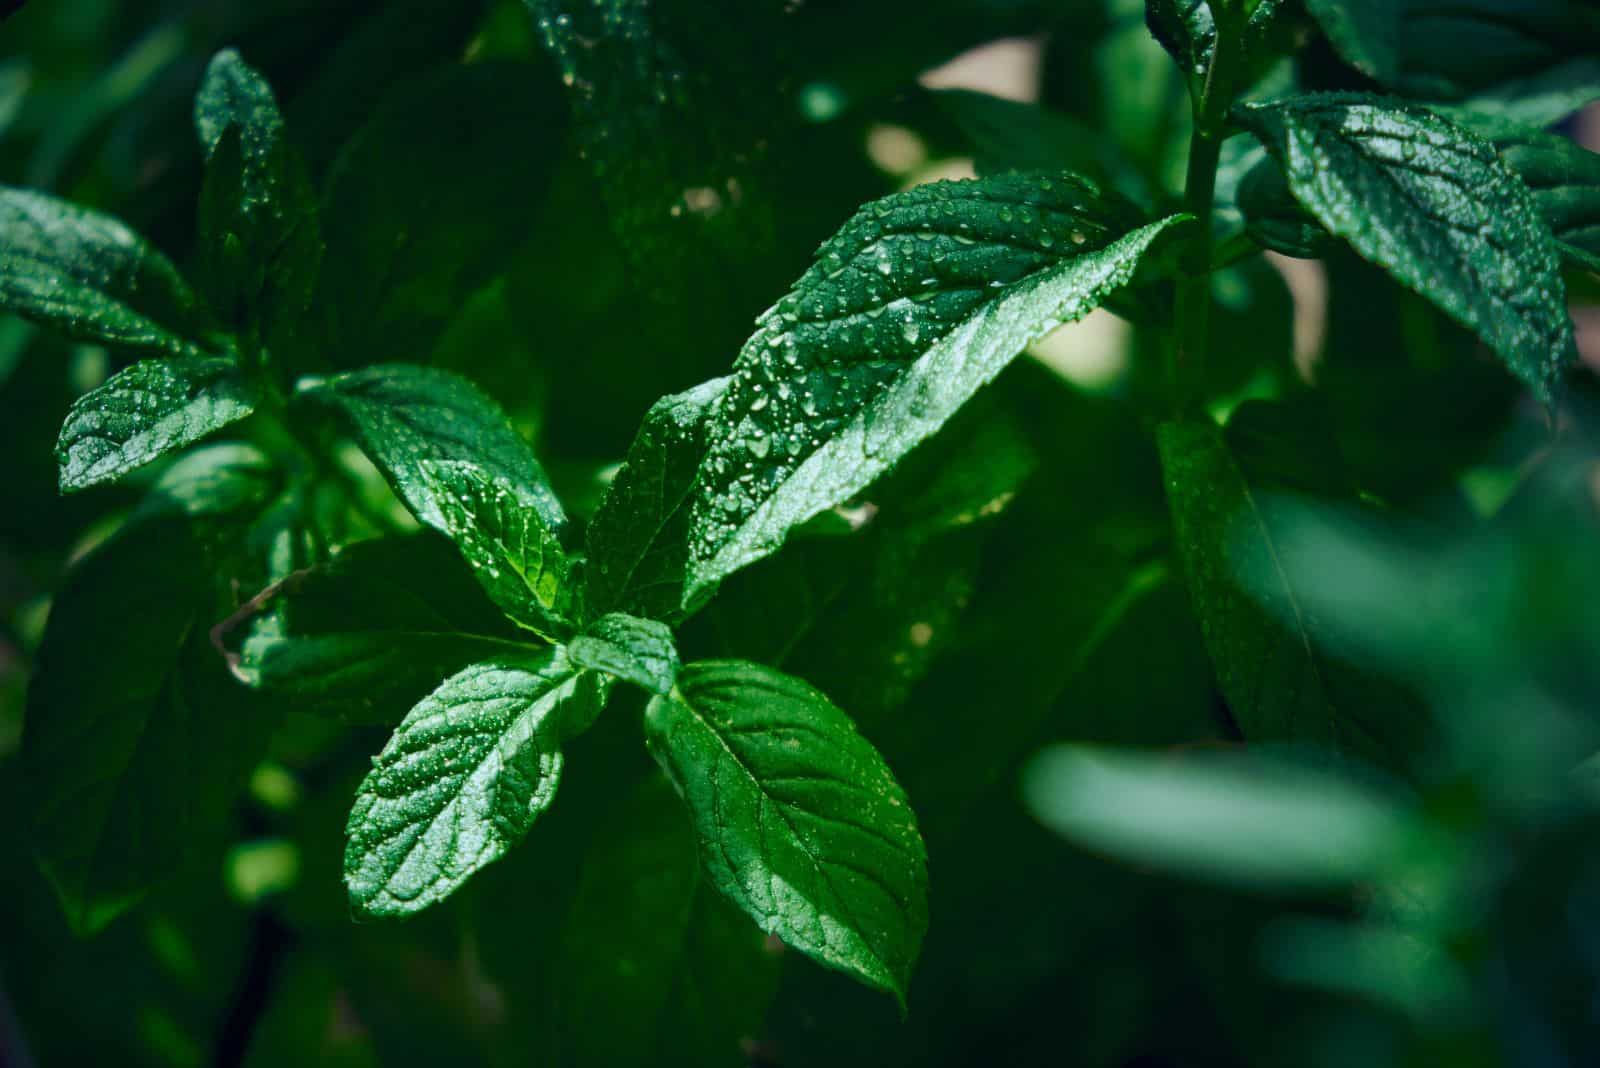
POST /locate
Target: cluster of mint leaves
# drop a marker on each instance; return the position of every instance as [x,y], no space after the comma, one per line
[919,300]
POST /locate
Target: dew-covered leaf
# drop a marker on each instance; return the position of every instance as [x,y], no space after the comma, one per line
[92,278]
[637,541]
[1188,29]
[1432,204]
[627,647]
[516,557]
[403,416]
[260,238]
[370,633]
[463,778]
[145,412]
[1564,178]
[919,301]
[1283,676]
[800,822]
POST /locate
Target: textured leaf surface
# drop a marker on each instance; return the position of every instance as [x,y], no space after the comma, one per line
[918,302]
[800,822]
[1282,676]
[1564,177]
[464,777]
[1435,206]
[403,416]
[1188,29]
[638,542]
[144,412]
[655,967]
[627,647]
[91,277]
[261,241]
[135,740]
[371,633]
[514,555]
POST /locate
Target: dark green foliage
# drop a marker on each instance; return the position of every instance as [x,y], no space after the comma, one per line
[1058,611]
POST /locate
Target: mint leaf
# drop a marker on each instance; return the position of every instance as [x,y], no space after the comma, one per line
[1274,219]
[464,777]
[135,741]
[640,651]
[145,412]
[403,416]
[1366,33]
[260,239]
[1283,674]
[919,301]
[515,556]
[654,966]
[92,278]
[1187,29]
[638,539]
[1433,205]
[430,200]
[800,822]
[1564,178]
[369,634]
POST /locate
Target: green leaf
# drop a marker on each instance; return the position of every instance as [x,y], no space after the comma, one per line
[136,740]
[919,301]
[92,278]
[367,635]
[1365,32]
[145,412]
[1274,219]
[638,539]
[1187,29]
[260,239]
[800,822]
[1564,178]
[1226,817]
[403,416]
[428,202]
[515,556]
[1283,675]
[654,966]
[1542,99]
[640,651]
[464,777]
[1432,204]
[216,481]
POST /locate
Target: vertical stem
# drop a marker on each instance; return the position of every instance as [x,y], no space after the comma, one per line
[1199,193]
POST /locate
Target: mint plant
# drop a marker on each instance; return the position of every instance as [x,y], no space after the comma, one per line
[872,536]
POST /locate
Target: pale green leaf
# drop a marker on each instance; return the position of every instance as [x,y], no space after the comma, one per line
[464,777]
[801,824]
[145,412]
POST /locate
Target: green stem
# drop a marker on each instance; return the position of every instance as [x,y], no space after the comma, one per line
[1199,196]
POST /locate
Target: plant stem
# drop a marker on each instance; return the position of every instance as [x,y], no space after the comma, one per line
[1199,194]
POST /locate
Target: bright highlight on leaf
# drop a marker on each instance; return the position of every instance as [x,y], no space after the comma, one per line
[918,302]
[464,777]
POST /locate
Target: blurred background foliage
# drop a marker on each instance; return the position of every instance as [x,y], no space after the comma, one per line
[1004,615]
